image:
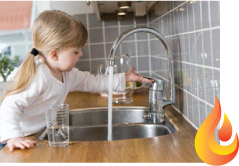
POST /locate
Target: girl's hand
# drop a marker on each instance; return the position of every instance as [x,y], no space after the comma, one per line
[20,142]
[132,76]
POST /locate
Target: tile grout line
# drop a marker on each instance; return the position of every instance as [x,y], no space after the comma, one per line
[203,63]
[195,40]
[144,56]
[187,104]
[119,25]
[189,63]
[210,24]
[149,48]
[92,59]
[115,26]
[126,41]
[190,32]
[103,24]
[89,50]
[136,46]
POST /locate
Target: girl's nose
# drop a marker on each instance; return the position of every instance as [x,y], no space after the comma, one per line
[80,53]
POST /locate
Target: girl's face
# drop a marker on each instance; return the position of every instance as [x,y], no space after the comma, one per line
[68,57]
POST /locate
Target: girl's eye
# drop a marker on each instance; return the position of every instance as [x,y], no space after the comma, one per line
[76,53]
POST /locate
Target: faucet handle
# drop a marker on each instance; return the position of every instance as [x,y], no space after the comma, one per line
[156,85]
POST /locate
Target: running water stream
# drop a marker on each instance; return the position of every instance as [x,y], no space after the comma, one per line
[110,89]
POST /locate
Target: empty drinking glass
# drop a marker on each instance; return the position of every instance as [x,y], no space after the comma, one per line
[122,65]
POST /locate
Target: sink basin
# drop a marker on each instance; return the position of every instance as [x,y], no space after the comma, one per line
[128,122]
[99,116]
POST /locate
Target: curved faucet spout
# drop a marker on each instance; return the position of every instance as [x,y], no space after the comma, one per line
[163,41]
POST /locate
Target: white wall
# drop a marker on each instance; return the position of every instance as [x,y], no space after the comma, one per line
[41,6]
[72,7]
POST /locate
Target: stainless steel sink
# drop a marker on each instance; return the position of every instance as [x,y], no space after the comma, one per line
[128,122]
[99,116]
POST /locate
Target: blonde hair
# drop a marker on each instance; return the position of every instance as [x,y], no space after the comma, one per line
[52,29]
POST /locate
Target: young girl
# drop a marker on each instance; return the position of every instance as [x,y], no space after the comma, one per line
[46,77]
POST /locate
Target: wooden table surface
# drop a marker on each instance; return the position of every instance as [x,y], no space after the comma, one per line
[176,147]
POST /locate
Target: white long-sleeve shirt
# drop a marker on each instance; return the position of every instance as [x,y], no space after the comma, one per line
[23,113]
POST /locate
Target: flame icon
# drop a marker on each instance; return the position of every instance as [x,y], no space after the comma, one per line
[205,144]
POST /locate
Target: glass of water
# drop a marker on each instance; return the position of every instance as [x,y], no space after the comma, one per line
[57,120]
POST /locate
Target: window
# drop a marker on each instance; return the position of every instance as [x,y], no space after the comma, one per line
[15,36]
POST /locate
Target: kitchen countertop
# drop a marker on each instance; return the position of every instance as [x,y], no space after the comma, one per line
[176,147]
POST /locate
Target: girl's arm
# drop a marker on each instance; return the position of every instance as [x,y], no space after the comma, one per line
[84,81]
[13,106]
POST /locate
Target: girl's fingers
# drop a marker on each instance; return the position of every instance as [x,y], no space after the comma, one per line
[131,70]
[31,142]
[26,144]
[20,145]
[11,147]
[144,80]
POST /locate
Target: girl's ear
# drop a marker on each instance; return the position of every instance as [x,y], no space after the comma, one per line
[54,55]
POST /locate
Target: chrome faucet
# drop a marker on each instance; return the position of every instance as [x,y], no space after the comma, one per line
[156,99]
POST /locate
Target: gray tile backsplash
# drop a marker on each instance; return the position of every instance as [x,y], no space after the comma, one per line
[97,51]
[215,46]
[199,48]
[216,74]
[209,80]
[207,51]
[197,15]
[95,63]
[124,28]
[85,51]
[141,20]
[195,110]
[142,48]
[128,48]
[82,18]
[201,82]
[93,21]
[215,13]
[85,65]
[142,36]
[143,64]
[111,33]
[205,14]
[127,20]
[102,35]
[96,35]
[193,32]
[202,111]
[110,20]
[191,18]
[192,48]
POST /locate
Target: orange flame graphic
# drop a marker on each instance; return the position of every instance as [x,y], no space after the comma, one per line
[206,146]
